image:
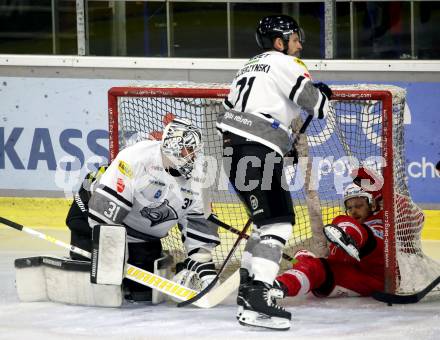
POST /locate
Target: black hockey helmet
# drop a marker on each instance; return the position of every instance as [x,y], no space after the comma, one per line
[276,26]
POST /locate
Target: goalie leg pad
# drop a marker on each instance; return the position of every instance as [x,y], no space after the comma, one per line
[108,254]
[30,280]
[49,278]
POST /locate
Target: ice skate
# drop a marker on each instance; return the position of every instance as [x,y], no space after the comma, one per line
[339,237]
[245,280]
[260,308]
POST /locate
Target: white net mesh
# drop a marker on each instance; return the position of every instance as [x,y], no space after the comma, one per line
[352,135]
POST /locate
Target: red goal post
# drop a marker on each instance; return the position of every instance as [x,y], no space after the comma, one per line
[375,116]
[386,98]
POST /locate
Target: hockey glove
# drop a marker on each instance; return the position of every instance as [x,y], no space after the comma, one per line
[341,239]
[324,88]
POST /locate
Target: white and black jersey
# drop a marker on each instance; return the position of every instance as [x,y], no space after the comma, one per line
[266,95]
[139,193]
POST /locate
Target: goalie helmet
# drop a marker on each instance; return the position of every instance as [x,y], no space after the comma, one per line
[276,26]
[181,143]
[352,191]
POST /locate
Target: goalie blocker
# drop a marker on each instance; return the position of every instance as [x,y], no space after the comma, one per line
[90,283]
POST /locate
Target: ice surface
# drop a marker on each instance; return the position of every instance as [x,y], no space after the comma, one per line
[313,318]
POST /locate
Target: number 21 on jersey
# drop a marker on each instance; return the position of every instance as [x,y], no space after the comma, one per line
[242,83]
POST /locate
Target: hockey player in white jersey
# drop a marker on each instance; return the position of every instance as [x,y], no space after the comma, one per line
[266,95]
[148,188]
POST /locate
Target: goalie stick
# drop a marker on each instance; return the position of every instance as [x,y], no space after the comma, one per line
[233,280]
[133,273]
[405,299]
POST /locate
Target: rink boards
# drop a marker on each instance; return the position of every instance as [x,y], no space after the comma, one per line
[51,213]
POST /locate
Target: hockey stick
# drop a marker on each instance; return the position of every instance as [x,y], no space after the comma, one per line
[404,299]
[45,237]
[133,273]
[232,280]
[218,294]
[215,220]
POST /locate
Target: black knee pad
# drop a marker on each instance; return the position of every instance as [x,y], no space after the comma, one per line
[142,255]
[82,241]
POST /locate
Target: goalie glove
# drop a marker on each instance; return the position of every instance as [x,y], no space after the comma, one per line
[205,271]
[196,275]
[341,239]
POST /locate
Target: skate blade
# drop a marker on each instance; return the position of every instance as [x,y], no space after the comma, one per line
[335,236]
[255,319]
[239,312]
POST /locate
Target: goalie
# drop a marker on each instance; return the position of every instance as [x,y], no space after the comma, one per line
[148,188]
[355,266]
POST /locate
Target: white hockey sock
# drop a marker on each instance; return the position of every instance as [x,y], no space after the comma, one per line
[267,253]
[246,259]
[264,270]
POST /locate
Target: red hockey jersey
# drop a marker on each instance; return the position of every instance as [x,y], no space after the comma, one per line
[369,238]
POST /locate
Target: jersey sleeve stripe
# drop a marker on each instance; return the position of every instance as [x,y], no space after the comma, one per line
[203,227]
[321,107]
[295,88]
[208,232]
[195,214]
[116,196]
[202,239]
[371,222]
[97,217]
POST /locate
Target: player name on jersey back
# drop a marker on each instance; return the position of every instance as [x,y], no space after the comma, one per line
[254,68]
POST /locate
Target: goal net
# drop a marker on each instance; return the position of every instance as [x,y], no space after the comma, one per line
[365,128]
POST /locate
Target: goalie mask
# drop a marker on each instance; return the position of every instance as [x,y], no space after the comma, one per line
[277,26]
[181,143]
[352,191]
